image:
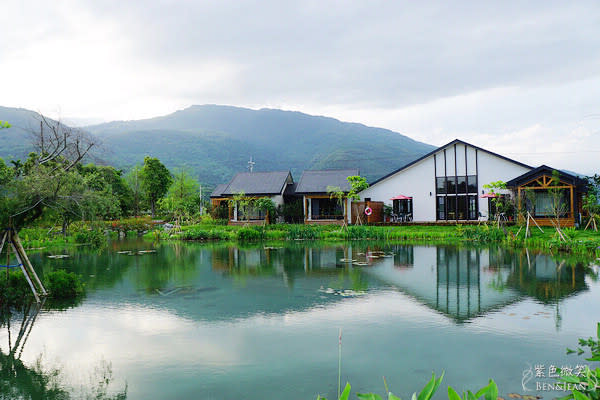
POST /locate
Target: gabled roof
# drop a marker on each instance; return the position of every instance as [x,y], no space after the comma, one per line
[290,190]
[258,183]
[316,181]
[455,141]
[218,192]
[574,180]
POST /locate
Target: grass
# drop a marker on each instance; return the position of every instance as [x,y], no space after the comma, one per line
[580,241]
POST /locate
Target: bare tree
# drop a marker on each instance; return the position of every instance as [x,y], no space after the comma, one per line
[55,141]
[47,178]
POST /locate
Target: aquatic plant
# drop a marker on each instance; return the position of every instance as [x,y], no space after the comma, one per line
[61,284]
[92,237]
[247,234]
[14,289]
[488,392]
[586,386]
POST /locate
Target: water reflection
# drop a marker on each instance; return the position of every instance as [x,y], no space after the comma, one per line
[38,381]
[464,283]
[185,320]
[221,281]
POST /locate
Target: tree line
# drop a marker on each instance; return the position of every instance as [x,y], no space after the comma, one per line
[58,183]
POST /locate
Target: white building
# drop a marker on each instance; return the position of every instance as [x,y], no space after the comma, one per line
[447,183]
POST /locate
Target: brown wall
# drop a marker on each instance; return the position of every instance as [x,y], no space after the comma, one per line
[376,215]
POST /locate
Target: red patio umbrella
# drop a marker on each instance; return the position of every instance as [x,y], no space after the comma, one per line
[401,197]
[489,196]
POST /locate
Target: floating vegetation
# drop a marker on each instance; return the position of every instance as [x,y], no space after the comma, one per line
[136,252]
[343,292]
[185,290]
[59,256]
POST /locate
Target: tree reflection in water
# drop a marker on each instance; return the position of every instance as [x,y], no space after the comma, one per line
[39,381]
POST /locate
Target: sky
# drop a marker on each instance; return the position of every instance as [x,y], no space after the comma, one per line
[518,78]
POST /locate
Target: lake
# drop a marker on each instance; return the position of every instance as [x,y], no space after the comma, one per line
[223,321]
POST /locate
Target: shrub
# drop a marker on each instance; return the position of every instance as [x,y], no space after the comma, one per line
[95,238]
[15,290]
[138,224]
[250,234]
[303,232]
[63,285]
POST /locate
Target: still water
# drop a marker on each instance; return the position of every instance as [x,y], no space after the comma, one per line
[198,321]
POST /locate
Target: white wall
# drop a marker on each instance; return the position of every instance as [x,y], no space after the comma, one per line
[491,169]
[416,181]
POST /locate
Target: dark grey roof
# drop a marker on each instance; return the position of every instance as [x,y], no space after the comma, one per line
[258,183]
[290,190]
[318,180]
[218,192]
[455,141]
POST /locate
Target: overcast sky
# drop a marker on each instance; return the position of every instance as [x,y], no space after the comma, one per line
[518,78]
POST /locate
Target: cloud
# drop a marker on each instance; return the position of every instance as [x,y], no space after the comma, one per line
[481,71]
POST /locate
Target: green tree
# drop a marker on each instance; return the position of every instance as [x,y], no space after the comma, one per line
[156,180]
[6,173]
[337,194]
[242,204]
[7,176]
[42,182]
[133,179]
[266,205]
[108,179]
[183,198]
[357,185]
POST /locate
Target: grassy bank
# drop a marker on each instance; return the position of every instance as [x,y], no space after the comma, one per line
[578,241]
[96,234]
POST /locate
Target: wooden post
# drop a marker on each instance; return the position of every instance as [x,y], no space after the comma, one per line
[27,277]
[11,238]
[572,204]
[7,252]
[17,241]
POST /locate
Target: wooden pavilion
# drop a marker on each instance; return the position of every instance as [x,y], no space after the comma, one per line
[545,196]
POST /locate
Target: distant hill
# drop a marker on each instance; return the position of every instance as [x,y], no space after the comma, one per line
[215,142]
[15,142]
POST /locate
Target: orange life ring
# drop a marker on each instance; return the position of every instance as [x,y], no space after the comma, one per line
[368,211]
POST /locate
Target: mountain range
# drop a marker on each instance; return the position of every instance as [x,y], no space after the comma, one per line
[214,142]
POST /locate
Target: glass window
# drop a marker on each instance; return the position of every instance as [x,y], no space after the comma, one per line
[451,185]
[545,204]
[451,208]
[441,208]
[462,184]
[461,210]
[473,207]
[440,185]
[326,209]
[472,184]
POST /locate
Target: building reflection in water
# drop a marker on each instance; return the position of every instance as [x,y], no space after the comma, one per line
[463,283]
